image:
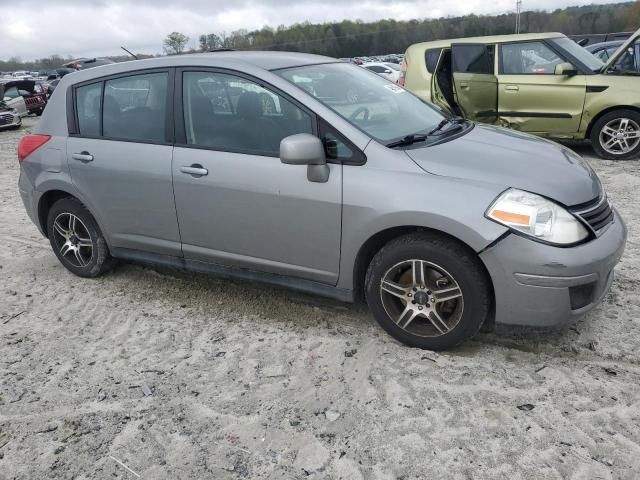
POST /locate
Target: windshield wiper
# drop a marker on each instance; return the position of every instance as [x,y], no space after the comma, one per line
[414,138]
[408,140]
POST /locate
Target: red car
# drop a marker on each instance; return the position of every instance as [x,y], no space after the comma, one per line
[34,94]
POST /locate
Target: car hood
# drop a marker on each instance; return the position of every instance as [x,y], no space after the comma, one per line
[513,159]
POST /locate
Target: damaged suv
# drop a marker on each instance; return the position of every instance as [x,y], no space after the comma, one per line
[541,83]
[261,166]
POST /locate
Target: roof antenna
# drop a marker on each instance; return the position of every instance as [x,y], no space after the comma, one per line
[134,56]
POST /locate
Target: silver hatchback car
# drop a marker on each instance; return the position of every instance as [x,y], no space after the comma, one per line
[309,173]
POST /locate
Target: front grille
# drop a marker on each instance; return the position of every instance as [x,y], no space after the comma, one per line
[6,119]
[597,213]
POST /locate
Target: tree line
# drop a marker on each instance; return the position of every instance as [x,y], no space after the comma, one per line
[356,38]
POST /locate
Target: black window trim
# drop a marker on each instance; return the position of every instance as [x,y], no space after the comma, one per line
[72,107]
[359,158]
[548,43]
[180,126]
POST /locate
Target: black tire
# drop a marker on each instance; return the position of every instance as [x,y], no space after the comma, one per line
[453,259]
[87,265]
[603,121]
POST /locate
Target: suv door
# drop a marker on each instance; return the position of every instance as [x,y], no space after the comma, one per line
[119,156]
[237,203]
[476,86]
[531,96]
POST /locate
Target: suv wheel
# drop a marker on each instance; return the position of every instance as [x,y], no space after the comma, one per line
[427,291]
[616,135]
[76,239]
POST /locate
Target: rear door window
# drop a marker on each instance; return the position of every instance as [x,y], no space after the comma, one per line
[134,107]
[472,58]
[88,100]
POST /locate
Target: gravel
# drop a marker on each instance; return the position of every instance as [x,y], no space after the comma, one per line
[158,374]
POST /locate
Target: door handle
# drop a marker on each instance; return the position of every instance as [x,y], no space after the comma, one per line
[512,88]
[464,85]
[195,169]
[84,157]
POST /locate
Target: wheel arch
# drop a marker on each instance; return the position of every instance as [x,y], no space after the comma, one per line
[603,112]
[378,240]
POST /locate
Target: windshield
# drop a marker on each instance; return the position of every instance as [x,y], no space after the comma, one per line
[381,109]
[581,54]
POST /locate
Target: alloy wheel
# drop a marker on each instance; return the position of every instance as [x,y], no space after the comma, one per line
[620,136]
[422,298]
[73,240]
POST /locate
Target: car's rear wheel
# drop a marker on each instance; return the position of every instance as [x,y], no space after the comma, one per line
[616,135]
[77,240]
[428,291]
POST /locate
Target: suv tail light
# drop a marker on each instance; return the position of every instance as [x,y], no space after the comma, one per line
[403,72]
[30,144]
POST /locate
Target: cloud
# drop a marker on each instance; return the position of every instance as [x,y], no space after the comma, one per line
[100,27]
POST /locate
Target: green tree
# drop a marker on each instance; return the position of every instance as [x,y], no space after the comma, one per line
[175,43]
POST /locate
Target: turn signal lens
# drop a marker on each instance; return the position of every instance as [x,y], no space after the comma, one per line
[30,144]
[537,217]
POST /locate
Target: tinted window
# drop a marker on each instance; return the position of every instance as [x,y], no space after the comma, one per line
[88,109]
[431,57]
[472,59]
[232,113]
[135,107]
[529,58]
[376,68]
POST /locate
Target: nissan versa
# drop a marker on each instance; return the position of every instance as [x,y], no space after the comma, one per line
[542,83]
[313,174]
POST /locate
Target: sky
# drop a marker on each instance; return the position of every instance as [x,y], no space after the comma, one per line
[99,27]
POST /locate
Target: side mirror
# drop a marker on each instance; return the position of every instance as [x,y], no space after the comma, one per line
[566,69]
[306,149]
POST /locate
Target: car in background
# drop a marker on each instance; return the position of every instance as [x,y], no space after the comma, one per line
[390,71]
[31,92]
[590,39]
[9,117]
[629,61]
[542,83]
[84,63]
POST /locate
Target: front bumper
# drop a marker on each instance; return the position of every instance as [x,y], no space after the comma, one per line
[8,120]
[538,285]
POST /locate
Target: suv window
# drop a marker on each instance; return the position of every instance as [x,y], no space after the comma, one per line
[528,58]
[88,109]
[472,58]
[228,112]
[431,57]
[134,107]
[376,68]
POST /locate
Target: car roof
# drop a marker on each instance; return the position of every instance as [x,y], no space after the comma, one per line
[612,43]
[229,59]
[489,39]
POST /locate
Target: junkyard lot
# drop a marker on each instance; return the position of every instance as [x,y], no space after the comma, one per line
[186,376]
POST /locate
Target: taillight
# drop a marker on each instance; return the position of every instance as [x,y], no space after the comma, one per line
[403,72]
[30,144]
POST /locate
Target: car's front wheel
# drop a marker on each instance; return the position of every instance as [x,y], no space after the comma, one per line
[76,239]
[616,135]
[428,291]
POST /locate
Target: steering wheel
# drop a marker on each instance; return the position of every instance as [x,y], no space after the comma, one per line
[358,111]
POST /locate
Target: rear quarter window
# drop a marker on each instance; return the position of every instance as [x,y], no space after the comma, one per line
[88,109]
[431,57]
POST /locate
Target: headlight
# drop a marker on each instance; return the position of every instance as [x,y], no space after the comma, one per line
[537,217]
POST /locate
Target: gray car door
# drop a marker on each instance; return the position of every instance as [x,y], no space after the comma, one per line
[237,204]
[120,160]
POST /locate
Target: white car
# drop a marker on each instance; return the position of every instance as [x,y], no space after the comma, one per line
[390,71]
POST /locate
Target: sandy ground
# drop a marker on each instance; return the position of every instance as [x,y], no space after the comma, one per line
[164,375]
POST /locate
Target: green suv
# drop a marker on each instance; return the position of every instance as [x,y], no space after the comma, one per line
[542,83]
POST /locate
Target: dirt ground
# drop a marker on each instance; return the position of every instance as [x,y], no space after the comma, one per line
[165,375]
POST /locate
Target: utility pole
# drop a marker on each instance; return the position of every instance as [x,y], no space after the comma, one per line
[518,10]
